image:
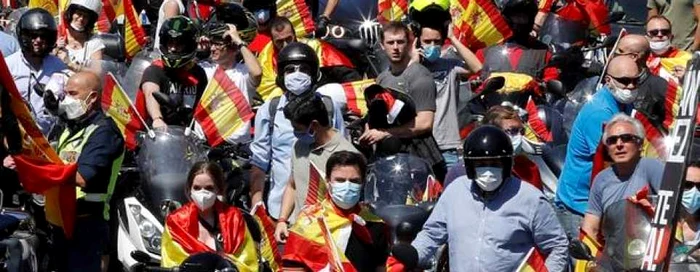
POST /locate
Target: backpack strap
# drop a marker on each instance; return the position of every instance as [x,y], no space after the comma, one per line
[274,102]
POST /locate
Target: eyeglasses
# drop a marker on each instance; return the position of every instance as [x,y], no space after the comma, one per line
[515,131]
[658,32]
[626,138]
[626,80]
[687,185]
[291,68]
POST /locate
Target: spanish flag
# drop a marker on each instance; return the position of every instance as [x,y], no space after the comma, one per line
[299,13]
[355,96]
[665,64]
[117,105]
[327,55]
[478,23]
[223,109]
[594,246]
[268,245]
[534,262]
[179,239]
[391,10]
[317,186]
[49,5]
[134,34]
[535,122]
[39,167]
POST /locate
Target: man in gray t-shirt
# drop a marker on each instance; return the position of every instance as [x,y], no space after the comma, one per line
[629,173]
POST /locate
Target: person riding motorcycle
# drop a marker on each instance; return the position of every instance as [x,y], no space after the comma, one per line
[590,15]
[263,11]
[77,48]
[206,224]
[175,74]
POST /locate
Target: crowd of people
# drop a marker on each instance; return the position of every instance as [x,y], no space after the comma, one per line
[493,209]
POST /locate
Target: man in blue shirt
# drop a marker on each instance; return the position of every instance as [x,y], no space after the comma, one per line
[575,180]
[499,218]
[8,44]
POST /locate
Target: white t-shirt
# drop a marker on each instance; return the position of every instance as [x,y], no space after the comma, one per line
[161,19]
[240,76]
[80,56]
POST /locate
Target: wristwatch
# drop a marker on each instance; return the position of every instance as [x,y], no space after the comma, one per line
[241,45]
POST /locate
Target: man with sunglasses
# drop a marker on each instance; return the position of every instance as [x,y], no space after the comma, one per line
[684,16]
[574,182]
[629,172]
[665,60]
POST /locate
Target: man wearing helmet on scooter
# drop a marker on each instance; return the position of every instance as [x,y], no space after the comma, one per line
[499,217]
[175,74]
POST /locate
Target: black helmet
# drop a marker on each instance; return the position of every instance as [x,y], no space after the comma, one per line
[36,20]
[297,53]
[235,14]
[183,31]
[90,7]
[484,143]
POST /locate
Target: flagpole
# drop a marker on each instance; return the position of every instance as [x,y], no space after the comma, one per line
[607,60]
[150,131]
[188,129]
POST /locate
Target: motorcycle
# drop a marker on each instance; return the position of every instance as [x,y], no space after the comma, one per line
[201,262]
[360,45]
[20,239]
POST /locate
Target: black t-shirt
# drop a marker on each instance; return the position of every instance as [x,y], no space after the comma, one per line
[176,85]
[367,257]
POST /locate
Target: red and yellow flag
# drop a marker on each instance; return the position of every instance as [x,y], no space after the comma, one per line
[535,122]
[478,23]
[39,167]
[49,5]
[117,105]
[269,249]
[391,10]
[355,96]
[134,34]
[534,262]
[223,108]
[299,13]
[593,245]
[317,186]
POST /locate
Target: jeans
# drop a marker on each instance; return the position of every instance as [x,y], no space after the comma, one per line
[451,157]
[569,220]
[84,252]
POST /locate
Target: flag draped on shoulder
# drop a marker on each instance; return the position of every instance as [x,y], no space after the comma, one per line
[355,96]
[182,229]
[317,186]
[534,261]
[39,168]
[391,10]
[478,23]
[299,13]
[134,34]
[268,245]
[117,105]
[223,109]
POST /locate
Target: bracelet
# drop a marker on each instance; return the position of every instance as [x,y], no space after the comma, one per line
[156,118]
[283,220]
[241,45]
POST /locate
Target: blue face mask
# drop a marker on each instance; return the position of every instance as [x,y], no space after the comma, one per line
[306,137]
[691,200]
[432,52]
[345,194]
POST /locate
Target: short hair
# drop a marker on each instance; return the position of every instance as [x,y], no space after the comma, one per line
[206,167]
[279,23]
[670,25]
[496,114]
[393,26]
[346,158]
[442,28]
[305,109]
[624,118]
[694,164]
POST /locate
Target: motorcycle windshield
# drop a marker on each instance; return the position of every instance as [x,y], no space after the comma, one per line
[626,227]
[398,180]
[164,163]
[132,77]
[561,32]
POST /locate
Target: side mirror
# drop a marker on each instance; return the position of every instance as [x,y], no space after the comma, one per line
[141,257]
[406,254]
[555,87]
[580,251]
[492,85]
[616,16]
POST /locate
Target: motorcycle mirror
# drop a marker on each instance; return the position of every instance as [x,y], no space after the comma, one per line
[609,41]
[140,256]
[579,250]
[555,87]
[493,84]
[164,100]
[406,254]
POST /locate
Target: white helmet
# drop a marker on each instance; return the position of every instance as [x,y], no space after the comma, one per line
[93,8]
[92,5]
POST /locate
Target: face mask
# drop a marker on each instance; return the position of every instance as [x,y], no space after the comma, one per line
[516,141]
[691,200]
[432,53]
[660,47]
[262,16]
[345,194]
[306,138]
[624,96]
[489,178]
[297,82]
[204,199]
[73,108]
[77,26]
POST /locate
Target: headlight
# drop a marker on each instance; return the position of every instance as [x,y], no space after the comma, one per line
[147,229]
[150,235]
[636,248]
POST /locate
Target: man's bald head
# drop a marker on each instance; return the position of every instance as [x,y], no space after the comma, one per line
[622,67]
[636,46]
[85,86]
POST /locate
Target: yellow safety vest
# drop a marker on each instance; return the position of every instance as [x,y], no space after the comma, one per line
[69,149]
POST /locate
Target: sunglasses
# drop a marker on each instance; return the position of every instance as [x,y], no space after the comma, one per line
[626,138]
[515,131]
[626,80]
[291,68]
[687,185]
[658,32]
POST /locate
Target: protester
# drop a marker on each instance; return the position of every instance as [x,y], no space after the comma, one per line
[168,9]
[507,119]
[590,15]
[688,223]
[416,81]
[683,15]
[499,219]
[628,174]
[358,234]
[205,224]
[94,142]
[78,49]
[264,11]
[8,44]
[666,60]
[316,141]
[616,96]
[446,74]
[176,74]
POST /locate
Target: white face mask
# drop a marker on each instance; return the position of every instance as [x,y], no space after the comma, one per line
[297,82]
[624,96]
[204,199]
[516,141]
[489,178]
[77,26]
[660,47]
[73,108]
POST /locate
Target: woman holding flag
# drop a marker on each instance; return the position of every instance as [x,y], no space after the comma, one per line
[76,46]
[206,224]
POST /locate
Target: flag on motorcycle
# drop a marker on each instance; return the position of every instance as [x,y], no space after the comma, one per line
[534,261]
[478,23]
[327,55]
[223,109]
[665,65]
[317,186]
[535,122]
[117,105]
[299,13]
[593,245]
[134,34]
[181,230]
[355,97]
[39,166]
[269,249]
[391,10]
[107,15]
